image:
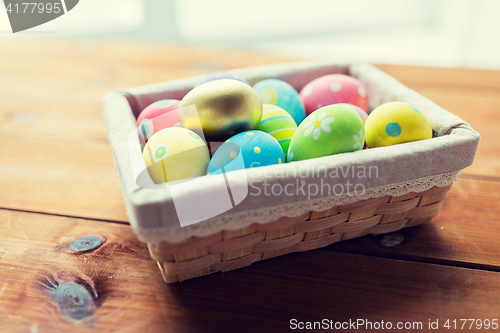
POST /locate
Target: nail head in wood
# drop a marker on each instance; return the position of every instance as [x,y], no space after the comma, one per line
[86,243]
[74,300]
[391,240]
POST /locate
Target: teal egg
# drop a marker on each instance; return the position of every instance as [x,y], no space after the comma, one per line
[332,129]
[282,94]
[245,150]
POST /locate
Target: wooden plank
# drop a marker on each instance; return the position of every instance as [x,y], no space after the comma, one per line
[51,91]
[74,179]
[53,88]
[58,126]
[47,285]
[476,79]
[464,228]
[481,112]
[30,183]
[465,233]
[473,95]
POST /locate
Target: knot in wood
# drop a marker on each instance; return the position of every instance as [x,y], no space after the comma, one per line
[86,243]
[391,240]
[74,300]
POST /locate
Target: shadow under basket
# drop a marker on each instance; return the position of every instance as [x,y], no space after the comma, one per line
[228,250]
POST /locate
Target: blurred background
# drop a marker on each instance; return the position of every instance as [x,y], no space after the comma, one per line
[448,33]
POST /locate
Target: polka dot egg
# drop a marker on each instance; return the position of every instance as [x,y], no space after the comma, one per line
[245,150]
[278,123]
[157,116]
[329,130]
[220,76]
[175,153]
[396,122]
[282,94]
[333,89]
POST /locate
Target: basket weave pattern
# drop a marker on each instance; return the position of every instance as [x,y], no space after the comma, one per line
[228,250]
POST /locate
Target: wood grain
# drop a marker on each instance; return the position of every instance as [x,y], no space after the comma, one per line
[473,95]
[53,88]
[65,107]
[480,110]
[51,114]
[470,216]
[476,79]
[128,294]
[55,159]
[75,179]
[465,233]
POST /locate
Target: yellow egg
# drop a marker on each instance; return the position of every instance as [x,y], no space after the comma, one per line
[175,153]
[223,109]
[396,122]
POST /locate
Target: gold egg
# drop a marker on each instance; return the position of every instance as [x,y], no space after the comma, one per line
[223,108]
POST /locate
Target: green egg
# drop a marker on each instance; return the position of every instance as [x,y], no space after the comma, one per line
[279,124]
[332,129]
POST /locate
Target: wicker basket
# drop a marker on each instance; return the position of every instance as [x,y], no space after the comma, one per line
[404,196]
[228,250]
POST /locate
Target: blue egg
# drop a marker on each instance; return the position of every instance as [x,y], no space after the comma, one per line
[220,76]
[245,150]
[282,94]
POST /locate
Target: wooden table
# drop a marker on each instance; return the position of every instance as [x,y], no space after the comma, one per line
[58,184]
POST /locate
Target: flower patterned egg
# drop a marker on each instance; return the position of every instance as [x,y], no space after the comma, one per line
[222,108]
[361,113]
[282,94]
[278,123]
[333,89]
[175,153]
[220,76]
[329,130]
[396,122]
[157,116]
[245,150]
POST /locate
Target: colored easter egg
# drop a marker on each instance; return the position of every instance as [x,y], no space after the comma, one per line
[278,123]
[175,153]
[245,150]
[329,130]
[396,122]
[333,89]
[157,116]
[282,94]
[220,108]
[361,113]
[220,76]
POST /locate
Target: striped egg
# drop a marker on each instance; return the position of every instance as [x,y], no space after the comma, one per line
[279,124]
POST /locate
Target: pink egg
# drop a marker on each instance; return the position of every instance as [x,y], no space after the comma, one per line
[157,116]
[333,89]
[361,113]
